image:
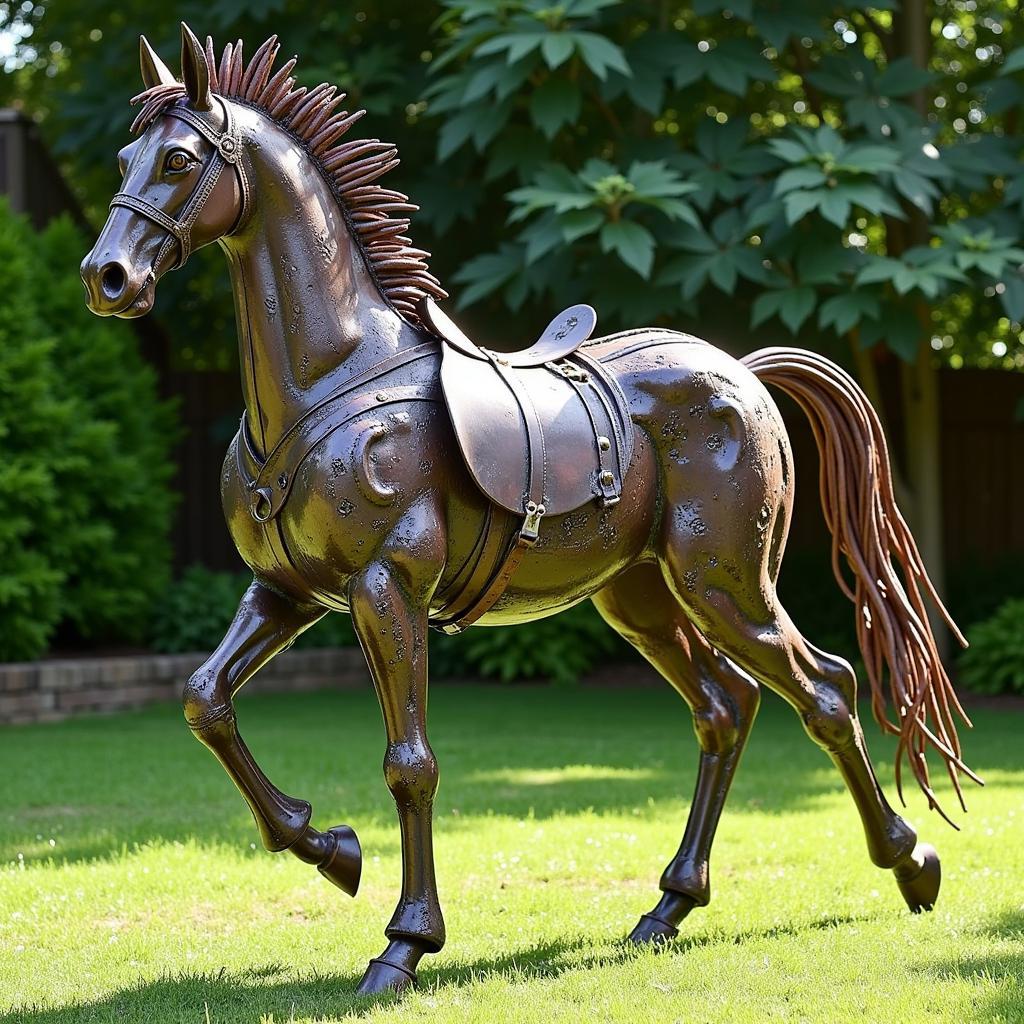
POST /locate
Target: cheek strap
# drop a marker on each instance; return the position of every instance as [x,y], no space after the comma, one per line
[226,150]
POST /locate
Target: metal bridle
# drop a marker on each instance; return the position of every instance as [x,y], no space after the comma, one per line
[227,148]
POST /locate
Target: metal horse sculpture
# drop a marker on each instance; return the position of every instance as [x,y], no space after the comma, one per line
[388,467]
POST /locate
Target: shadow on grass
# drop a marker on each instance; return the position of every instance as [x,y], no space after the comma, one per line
[1001,973]
[260,992]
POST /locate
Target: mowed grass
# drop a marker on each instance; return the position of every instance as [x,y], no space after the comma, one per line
[131,889]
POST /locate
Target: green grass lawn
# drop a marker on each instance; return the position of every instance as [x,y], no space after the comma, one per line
[131,889]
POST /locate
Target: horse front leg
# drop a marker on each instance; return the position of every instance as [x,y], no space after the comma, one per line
[265,624]
[389,612]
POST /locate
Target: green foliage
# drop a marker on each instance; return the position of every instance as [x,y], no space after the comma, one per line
[195,610]
[994,663]
[559,649]
[831,180]
[649,158]
[84,497]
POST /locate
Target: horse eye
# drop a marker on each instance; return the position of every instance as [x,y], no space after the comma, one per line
[178,161]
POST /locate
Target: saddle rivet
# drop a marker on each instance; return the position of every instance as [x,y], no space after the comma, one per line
[282,480]
[603,443]
[381,397]
[607,479]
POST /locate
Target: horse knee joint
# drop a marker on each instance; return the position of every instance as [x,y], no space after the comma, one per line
[205,698]
[411,773]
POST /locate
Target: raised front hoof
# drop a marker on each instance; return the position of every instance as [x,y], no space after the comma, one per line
[381,977]
[919,878]
[651,931]
[343,864]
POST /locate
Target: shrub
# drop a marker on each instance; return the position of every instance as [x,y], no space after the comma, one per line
[85,502]
[559,648]
[994,663]
[196,610]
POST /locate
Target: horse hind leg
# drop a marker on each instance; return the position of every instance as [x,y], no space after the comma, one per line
[745,621]
[265,624]
[723,701]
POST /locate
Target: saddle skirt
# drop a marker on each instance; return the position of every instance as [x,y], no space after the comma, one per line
[543,431]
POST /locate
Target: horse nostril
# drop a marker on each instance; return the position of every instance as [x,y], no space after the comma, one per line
[112,280]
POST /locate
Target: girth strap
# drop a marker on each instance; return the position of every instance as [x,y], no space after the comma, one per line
[533,500]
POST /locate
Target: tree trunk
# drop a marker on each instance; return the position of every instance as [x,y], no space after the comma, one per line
[919,381]
[920,395]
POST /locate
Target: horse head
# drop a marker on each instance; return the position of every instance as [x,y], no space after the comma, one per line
[183,184]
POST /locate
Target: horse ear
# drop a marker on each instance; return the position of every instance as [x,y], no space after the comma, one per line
[195,72]
[154,70]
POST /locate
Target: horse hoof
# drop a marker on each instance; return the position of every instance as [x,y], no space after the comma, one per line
[651,931]
[343,864]
[919,878]
[381,977]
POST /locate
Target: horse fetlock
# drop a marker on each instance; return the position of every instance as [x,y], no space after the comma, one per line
[419,920]
[688,879]
[896,849]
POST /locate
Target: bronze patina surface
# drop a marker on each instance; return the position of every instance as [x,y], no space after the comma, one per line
[389,467]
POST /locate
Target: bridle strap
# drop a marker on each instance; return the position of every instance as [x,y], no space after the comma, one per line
[227,149]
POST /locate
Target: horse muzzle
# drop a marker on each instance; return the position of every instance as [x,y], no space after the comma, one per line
[113,288]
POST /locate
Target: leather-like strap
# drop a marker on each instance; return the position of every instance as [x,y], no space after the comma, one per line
[487,559]
[495,588]
[609,482]
[616,409]
[228,148]
[273,483]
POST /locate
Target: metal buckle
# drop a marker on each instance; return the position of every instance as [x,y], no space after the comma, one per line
[530,530]
[260,498]
[570,371]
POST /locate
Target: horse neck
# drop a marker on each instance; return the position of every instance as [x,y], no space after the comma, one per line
[309,315]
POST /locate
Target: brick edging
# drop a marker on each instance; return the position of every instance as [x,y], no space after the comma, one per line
[46,691]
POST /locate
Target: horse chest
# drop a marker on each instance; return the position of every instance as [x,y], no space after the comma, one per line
[349,495]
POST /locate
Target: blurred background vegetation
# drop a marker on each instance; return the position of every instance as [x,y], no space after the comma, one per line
[840,176]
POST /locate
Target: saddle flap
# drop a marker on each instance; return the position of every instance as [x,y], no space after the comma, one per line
[559,437]
[562,336]
[488,426]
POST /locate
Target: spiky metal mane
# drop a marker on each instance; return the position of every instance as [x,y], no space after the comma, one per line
[376,214]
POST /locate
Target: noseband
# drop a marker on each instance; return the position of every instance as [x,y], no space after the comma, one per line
[227,148]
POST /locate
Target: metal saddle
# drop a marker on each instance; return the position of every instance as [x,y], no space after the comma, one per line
[544,430]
